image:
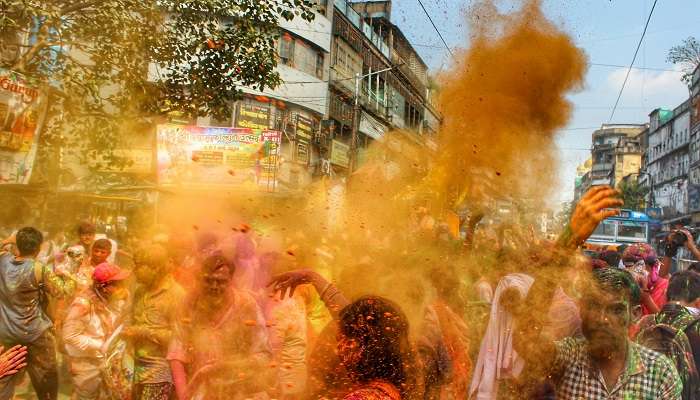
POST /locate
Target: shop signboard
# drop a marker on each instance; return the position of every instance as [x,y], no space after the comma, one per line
[22,111]
[253,116]
[302,153]
[340,154]
[193,156]
[304,128]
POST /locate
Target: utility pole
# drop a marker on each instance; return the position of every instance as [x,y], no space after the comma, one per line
[355,125]
[356,112]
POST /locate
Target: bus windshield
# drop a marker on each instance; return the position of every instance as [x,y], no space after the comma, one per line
[632,230]
[606,229]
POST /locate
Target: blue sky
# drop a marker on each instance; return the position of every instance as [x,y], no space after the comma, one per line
[608,31]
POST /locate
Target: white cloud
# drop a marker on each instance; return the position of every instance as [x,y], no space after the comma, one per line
[652,88]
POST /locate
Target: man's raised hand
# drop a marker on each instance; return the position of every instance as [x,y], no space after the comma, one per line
[598,203]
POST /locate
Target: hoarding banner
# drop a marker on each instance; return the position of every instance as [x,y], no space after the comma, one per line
[206,156]
[22,112]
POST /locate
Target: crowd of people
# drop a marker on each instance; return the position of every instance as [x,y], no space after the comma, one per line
[197,323]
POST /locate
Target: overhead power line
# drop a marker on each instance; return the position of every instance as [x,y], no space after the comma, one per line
[642,68]
[436,29]
[641,39]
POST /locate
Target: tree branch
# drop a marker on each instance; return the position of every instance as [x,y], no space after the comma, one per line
[79,6]
[22,62]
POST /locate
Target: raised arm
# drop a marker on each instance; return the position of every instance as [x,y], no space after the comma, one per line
[529,340]
[598,203]
[671,249]
[329,293]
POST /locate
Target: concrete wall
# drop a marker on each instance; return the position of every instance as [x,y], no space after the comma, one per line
[317,31]
[311,94]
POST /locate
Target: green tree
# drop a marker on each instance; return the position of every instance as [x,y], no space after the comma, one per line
[562,217]
[110,66]
[633,194]
[687,55]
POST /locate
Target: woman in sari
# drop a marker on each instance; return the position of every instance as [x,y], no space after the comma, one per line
[374,348]
[372,342]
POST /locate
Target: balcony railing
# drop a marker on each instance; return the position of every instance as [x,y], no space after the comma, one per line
[367,30]
[602,167]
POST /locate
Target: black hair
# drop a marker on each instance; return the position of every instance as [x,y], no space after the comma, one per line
[611,257]
[215,263]
[615,280]
[684,286]
[102,244]
[380,329]
[694,267]
[85,228]
[28,241]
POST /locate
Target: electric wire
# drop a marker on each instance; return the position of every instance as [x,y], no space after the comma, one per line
[634,58]
[436,29]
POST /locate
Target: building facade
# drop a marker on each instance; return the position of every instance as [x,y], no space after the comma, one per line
[615,152]
[318,62]
[694,150]
[393,90]
[582,181]
[667,163]
[627,160]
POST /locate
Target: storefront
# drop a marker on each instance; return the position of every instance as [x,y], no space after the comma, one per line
[299,127]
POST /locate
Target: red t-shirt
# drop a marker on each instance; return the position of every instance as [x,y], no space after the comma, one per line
[658,294]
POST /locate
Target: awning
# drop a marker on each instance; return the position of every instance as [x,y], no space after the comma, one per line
[371,127]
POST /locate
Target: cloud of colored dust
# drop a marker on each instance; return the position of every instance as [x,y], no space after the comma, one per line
[502,102]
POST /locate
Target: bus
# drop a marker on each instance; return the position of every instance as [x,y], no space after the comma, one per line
[626,228]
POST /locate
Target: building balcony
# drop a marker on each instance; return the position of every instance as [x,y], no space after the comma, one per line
[356,20]
[403,68]
[601,167]
[600,181]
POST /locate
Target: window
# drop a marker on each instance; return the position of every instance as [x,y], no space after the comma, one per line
[286,49]
[632,230]
[306,59]
[340,56]
[605,228]
[319,65]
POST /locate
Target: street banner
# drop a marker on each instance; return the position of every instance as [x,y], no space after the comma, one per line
[22,112]
[340,154]
[197,157]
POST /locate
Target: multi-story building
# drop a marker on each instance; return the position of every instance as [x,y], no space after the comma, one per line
[393,90]
[627,159]
[694,150]
[583,179]
[613,152]
[667,162]
[319,62]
